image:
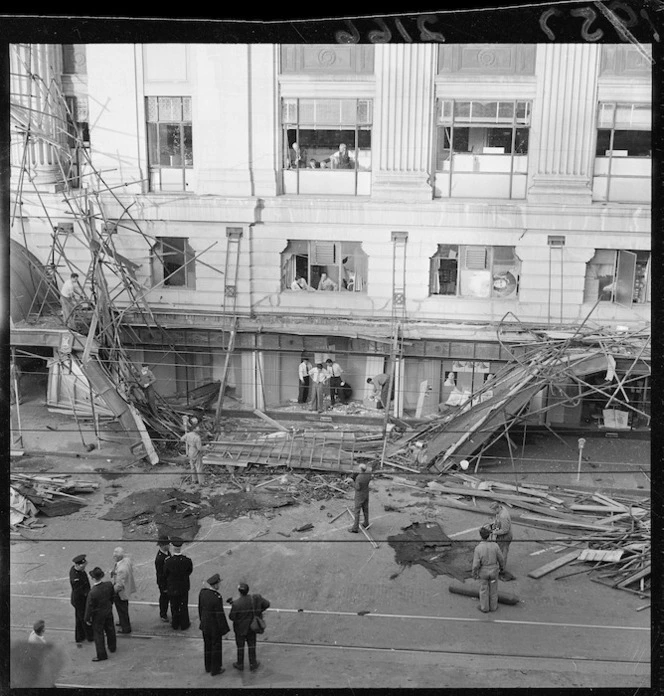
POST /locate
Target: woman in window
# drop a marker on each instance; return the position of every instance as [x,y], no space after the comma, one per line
[326,283]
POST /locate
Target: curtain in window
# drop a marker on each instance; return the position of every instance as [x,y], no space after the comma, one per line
[287,271]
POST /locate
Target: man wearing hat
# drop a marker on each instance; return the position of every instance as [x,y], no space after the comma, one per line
[164,552]
[177,570]
[242,614]
[361,498]
[122,576]
[487,560]
[99,614]
[502,534]
[213,624]
[80,586]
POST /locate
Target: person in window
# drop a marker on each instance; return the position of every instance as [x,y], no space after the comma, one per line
[326,283]
[300,283]
[313,164]
[340,159]
[296,157]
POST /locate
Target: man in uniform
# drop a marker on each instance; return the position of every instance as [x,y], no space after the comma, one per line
[213,624]
[487,559]
[242,614]
[99,614]
[122,576]
[502,534]
[177,570]
[80,586]
[164,552]
[361,498]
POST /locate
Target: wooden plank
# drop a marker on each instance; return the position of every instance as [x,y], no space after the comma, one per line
[633,578]
[552,565]
[596,508]
[271,421]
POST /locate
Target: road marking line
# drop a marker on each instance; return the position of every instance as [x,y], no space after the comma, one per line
[394,616]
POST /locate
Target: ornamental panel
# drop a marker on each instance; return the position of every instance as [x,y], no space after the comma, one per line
[487,59]
[327,59]
[625,60]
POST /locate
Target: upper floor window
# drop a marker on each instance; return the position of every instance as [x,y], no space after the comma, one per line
[618,276]
[311,265]
[327,145]
[170,147]
[623,152]
[475,271]
[482,148]
[74,59]
[173,263]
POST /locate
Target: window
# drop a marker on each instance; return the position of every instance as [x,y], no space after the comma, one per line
[321,265]
[170,147]
[623,153]
[78,137]
[327,145]
[173,263]
[73,59]
[475,271]
[618,276]
[482,144]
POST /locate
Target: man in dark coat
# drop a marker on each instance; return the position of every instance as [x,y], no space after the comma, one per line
[361,498]
[80,586]
[164,552]
[99,614]
[177,570]
[242,614]
[213,624]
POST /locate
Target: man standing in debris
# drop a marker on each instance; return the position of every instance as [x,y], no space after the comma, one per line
[122,576]
[213,624]
[177,570]
[361,498]
[164,552]
[487,559]
[381,385]
[194,446]
[242,614]
[15,375]
[99,614]
[502,533]
[146,379]
[303,385]
[80,587]
[318,376]
[334,370]
[70,294]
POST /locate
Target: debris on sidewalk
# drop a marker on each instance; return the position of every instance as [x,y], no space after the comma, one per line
[52,495]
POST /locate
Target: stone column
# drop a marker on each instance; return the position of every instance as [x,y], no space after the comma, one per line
[36,86]
[562,134]
[403,121]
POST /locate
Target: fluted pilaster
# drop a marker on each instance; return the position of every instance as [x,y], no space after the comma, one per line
[403,120]
[563,122]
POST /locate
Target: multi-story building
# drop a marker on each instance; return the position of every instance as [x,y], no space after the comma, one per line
[440,187]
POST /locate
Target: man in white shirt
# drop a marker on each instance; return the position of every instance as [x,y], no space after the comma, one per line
[319,376]
[335,371]
[303,371]
[37,633]
[70,294]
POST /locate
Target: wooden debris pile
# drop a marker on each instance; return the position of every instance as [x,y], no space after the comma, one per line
[52,495]
[610,535]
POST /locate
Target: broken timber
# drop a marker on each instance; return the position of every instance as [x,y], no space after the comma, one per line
[553,565]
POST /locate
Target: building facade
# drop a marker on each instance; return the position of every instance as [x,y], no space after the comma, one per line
[320,195]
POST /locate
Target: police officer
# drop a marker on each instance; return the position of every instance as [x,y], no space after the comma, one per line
[177,570]
[80,587]
[164,552]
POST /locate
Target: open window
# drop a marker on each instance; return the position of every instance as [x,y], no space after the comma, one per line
[312,265]
[173,264]
[618,276]
[475,271]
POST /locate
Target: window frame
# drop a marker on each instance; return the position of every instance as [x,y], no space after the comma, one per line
[629,275]
[158,255]
[317,250]
[291,119]
[465,263]
[186,153]
[447,120]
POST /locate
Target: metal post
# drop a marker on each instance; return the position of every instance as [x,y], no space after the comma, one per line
[582,442]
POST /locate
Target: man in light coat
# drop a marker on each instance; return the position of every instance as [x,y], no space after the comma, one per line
[502,534]
[487,560]
[122,577]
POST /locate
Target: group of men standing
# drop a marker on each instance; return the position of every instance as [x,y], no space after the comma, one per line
[93,603]
[313,380]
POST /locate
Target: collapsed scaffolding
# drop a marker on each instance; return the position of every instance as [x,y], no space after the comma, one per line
[108,380]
